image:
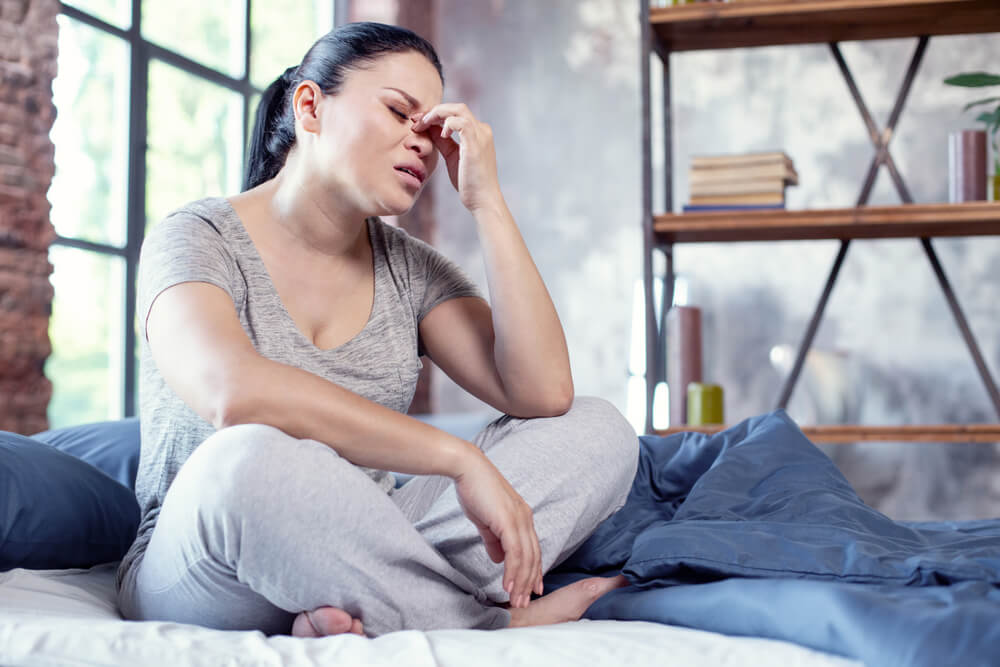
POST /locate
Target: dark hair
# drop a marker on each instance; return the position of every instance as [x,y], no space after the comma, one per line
[351,46]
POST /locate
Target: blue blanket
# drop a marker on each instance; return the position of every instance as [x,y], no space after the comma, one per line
[753,531]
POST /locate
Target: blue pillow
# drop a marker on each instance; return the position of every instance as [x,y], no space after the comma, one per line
[57,511]
[111,446]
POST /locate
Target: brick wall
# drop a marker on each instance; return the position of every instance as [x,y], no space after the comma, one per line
[28,49]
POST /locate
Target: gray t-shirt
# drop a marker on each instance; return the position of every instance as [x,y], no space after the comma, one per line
[205,241]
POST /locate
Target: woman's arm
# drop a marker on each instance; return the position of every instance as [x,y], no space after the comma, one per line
[513,356]
[521,354]
[206,358]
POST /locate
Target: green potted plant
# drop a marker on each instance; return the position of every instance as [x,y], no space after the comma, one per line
[990,118]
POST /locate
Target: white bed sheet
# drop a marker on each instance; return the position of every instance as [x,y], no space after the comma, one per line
[68,617]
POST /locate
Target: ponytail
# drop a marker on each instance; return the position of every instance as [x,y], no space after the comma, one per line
[273,132]
[326,63]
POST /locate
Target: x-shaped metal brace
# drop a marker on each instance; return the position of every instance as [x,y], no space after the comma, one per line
[883,157]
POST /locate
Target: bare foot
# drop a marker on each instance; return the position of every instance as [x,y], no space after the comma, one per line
[326,621]
[566,604]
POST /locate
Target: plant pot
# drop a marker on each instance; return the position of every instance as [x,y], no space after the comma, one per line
[996,186]
[967,166]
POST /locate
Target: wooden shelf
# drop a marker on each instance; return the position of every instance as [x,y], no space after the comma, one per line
[772,22]
[843,433]
[904,221]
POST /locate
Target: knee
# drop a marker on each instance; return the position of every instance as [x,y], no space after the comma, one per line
[233,464]
[604,437]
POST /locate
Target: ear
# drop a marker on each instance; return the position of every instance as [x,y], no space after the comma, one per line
[305,105]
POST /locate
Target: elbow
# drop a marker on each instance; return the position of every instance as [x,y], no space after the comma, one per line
[561,400]
[552,402]
[224,413]
[229,406]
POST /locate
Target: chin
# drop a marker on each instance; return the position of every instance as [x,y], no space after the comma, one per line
[398,205]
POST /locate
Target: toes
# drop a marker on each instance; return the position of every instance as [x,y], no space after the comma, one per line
[302,627]
[329,620]
[326,621]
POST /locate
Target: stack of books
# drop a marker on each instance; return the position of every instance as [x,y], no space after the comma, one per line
[740,182]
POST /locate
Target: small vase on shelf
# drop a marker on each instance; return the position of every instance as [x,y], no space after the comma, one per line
[967,166]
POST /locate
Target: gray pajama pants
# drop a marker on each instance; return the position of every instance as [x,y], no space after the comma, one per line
[258,526]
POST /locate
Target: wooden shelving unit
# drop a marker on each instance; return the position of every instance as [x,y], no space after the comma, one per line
[781,22]
[703,26]
[864,222]
[839,434]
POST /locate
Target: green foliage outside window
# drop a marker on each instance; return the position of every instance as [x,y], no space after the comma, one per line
[116,12]
[88,195]
[195,149]
[195,140]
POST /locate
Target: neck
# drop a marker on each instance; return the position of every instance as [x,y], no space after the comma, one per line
[311,218]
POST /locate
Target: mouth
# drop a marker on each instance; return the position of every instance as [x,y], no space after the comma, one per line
[412,174]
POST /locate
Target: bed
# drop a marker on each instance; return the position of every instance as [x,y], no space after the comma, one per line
[743,547]
[68,617]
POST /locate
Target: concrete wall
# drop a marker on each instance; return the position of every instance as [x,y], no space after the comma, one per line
[558,81]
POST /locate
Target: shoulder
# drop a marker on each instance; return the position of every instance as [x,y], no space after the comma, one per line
[198,233]
[399,244]
[193,243]
[206,225]
[212,215]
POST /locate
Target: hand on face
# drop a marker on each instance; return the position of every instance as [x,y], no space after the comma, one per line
[472,164]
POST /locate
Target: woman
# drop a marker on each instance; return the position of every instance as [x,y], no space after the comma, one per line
[283,329]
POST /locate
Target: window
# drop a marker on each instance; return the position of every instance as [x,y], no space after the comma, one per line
[154,102]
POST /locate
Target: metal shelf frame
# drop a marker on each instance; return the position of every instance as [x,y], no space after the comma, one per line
[652,242]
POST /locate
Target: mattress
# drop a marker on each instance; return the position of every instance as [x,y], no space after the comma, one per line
[68,617]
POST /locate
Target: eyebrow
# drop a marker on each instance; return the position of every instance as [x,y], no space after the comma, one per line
[409,98]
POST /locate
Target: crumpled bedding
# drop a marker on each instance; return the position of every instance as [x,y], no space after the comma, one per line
[754,531]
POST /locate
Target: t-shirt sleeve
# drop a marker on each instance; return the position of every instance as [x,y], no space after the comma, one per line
[442,279]
[183,248]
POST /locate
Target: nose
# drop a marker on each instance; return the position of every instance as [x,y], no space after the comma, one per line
[420,142]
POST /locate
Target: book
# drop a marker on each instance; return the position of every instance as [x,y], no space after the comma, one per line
[750,198]
[750,172]
[692,208]
[738,188]
[709,161]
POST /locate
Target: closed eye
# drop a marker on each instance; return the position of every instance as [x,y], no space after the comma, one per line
[402,116]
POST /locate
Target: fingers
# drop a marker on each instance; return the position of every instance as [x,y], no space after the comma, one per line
[522,572]
[451,125]
[536,582]
[438,114]
[507,526]
[512,566]
[494,549]
[530,560]
[453,119]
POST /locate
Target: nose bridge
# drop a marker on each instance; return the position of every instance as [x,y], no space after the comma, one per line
[419,140]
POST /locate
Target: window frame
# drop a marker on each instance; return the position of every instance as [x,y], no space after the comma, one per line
[141,52]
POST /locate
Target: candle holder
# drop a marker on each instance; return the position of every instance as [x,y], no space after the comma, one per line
[967,166]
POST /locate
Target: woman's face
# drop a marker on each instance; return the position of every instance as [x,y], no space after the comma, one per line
[365,143]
